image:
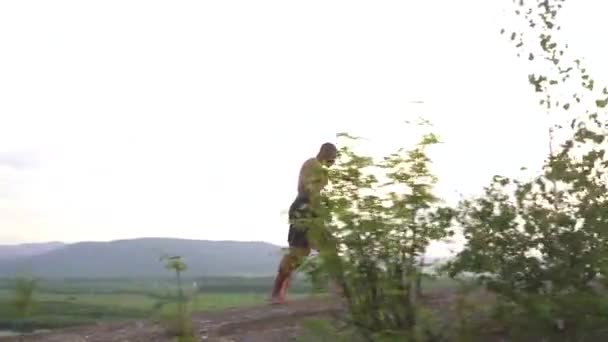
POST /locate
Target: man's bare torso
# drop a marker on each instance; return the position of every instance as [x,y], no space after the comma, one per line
[313,178]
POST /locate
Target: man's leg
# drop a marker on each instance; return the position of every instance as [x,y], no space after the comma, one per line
[298,249]
[277,296]
[289,263]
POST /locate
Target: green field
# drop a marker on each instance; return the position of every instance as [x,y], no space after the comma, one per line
[61,303]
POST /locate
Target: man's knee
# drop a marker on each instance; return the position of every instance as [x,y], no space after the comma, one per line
[293,259]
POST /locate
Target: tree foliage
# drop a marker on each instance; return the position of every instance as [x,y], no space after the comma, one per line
[378,218]
[541,245]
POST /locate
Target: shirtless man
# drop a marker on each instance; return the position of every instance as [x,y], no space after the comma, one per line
[313,178]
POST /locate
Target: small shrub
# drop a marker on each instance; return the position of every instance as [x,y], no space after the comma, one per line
[24,295]
[177,320]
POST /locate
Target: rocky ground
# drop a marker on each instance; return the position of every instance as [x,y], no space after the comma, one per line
[268,323]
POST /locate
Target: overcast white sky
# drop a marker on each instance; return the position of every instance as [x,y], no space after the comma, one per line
[122,119]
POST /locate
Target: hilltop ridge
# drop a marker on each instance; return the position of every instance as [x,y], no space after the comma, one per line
[136,258]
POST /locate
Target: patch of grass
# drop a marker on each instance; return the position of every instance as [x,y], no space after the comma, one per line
[218,301]
[130,301]
[64,303]
[52,311]
[49,314]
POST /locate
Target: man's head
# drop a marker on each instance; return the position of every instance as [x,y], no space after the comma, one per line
[327,154]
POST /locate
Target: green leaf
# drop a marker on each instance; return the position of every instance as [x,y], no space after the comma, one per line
[601,103]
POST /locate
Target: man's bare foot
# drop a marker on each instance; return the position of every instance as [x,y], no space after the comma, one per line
[277,300]
[281,298]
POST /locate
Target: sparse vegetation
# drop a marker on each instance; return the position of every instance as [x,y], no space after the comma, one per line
[177,319]
[381,216]
[535,263]
[65,303]
[540,245]
[24,296]
[537,247]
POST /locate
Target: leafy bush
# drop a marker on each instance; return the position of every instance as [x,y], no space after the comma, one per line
[376,221]
[541,245]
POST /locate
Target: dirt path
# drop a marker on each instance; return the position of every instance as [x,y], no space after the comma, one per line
[267,323]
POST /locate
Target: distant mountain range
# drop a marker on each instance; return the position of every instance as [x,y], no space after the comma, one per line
[28,249]
[139,258]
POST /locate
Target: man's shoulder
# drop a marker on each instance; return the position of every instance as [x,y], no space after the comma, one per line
[312,162]
[313,168]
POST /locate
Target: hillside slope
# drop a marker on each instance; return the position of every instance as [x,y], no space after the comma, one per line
[140,258]
[27,249]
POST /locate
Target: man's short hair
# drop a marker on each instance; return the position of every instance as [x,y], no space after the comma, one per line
[328,147]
